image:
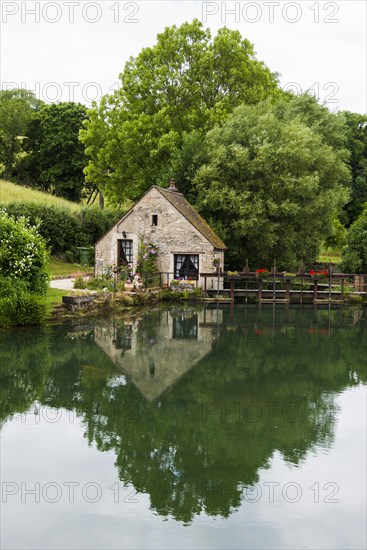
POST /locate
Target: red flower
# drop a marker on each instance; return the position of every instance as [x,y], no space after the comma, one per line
[323,272]
[263,270]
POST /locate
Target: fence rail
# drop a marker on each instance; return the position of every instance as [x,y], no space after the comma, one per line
[283,287]
[274,287]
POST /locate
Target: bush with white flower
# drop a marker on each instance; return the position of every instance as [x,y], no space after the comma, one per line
[23,253]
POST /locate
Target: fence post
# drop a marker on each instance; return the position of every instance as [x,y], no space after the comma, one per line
[301,290]
[232,291]
[358,283]
[330,276]
[287,289]
[260,295]
[315,285]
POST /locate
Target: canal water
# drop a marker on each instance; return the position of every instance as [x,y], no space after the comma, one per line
[186,427]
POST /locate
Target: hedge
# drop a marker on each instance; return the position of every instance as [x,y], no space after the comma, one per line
[63,230]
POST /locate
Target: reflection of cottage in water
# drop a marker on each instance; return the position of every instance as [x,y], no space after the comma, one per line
[155,357]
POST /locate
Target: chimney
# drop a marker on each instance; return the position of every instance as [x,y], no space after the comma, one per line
[172,185]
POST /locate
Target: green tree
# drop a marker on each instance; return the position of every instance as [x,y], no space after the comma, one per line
[357,145]
[56,158]
[16,108]
[186,82]
[354,258]
[272,184]
[94,135]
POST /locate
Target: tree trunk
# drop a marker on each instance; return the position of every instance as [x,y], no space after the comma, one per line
[101,201]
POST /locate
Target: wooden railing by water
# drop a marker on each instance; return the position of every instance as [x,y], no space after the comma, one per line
[285,288]
[276,287]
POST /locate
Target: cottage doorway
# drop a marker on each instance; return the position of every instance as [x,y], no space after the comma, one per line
[186,266]
[124,252]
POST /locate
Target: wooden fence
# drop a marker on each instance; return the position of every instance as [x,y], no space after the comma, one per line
[276,287]
[282,287]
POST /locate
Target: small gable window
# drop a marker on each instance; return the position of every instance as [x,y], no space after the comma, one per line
[155,219]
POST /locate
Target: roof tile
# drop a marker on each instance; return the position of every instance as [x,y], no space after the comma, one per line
[188,211]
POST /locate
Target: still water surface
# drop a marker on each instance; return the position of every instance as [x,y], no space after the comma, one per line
[186,428]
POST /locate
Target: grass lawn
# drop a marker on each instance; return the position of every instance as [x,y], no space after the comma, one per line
[330,255]
[54,296]
[11,192]
[58,268]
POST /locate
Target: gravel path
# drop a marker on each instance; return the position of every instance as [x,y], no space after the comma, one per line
[63,284]
[68,284]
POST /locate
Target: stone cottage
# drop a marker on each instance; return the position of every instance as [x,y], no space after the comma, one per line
[186,245]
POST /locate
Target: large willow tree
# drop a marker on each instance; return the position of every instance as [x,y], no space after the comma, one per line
[170,95]
[273,181]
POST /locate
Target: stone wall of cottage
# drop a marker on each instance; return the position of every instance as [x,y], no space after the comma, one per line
[173,234]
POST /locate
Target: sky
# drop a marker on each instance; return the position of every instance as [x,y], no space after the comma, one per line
[74,50]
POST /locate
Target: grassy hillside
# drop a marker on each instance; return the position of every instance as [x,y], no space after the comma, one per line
[10,192]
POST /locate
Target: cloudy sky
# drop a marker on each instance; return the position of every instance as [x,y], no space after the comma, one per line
[75,49]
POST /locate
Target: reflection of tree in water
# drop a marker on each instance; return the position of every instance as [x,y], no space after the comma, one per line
[264,388]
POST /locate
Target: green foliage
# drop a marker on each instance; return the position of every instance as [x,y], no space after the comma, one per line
[99,283]
[16,107]
[357,145]
[64,230]
[69,256]
[18,305]
[147,258]
[55,159]
[272,183]
[23,252]
[354,259]
[80,283]
[183,84]
[338,235]
[23,273]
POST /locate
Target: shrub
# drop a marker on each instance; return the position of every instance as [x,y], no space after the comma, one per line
[147,258]
[19,306]
[64,230]
[80,283]
[23,253]
[354,258]
[69,256]
[100,283]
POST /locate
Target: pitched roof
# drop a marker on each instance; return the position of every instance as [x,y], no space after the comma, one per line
[184,207]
